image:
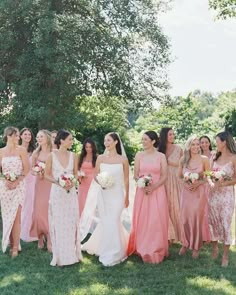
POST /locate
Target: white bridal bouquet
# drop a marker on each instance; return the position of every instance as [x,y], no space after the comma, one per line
[67,180]
[105,180]
[144,180]
[191,177]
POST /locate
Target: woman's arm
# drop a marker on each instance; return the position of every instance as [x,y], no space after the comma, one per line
[126,181]
[76,162]
[48,170]
[136,166]
[25,162]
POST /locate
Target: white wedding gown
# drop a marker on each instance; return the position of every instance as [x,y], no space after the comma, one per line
[110,239]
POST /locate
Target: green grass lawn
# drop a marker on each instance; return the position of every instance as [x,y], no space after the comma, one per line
[30,273]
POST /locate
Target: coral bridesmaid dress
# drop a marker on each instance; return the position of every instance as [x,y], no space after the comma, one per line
[41,202]
[149,233]
[88,170]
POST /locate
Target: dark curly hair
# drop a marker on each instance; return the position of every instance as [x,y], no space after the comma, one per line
[84,153]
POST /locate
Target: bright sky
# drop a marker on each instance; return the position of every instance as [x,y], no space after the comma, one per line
[204,48]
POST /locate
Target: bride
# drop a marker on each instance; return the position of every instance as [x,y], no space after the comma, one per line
[109,239]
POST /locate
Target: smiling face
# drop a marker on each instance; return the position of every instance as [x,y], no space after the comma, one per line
[67,142]
[41,138]
[88,148]
[220,144]
[195,147]
[205,144]
[147,142]
[26,136]
[109,143]
[170,136]
[15,138]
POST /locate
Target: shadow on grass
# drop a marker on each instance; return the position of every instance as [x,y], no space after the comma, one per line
[30,273]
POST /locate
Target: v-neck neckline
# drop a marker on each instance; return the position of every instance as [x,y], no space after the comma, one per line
[60,161]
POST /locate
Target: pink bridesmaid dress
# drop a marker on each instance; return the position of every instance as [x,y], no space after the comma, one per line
[221,208]
[88,169]
[149,232]
[40,212]
[192,210]
[27,209]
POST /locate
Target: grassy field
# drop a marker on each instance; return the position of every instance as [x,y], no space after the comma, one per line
[30,273]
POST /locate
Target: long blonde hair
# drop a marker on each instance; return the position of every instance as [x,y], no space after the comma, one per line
[187,148]
[49,141]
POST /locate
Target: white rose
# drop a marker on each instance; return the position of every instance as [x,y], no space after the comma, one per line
[62,182]
[141,183]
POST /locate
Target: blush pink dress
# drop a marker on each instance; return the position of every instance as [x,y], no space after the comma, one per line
[192,210]
[10,199]
[40,212]
[88,169]
[149,232]
[173,191]
[221,208]
[27,209]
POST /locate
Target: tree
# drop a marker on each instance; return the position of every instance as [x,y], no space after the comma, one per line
[54,51]
[224,8]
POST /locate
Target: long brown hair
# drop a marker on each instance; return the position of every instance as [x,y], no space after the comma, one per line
[31,146]
[230,143]
[84,153]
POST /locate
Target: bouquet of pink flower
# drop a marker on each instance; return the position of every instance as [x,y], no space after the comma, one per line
[144,180]
[216,175]
[191,177]
[66,180]
[39,167]
[10,176]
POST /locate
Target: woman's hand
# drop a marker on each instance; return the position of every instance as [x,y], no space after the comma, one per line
[12,184]
[193,186]
[126,202]
[149,189]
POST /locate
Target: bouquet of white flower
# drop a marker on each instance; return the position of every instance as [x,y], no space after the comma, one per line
[105,180]
[191,177]
[144,180]
[10,176]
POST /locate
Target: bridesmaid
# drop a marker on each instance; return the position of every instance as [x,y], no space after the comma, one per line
[149,232]
[13,158]
[206,150]
[193,197]
[206,147]
[39,228]
[63,204]
[222,199]
[28,142]
[173,153]
[87,162]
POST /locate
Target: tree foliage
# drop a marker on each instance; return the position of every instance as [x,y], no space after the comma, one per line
[224,8]
[56,50]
